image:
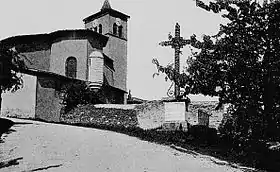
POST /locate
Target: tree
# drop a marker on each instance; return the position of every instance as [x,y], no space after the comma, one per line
[11,64]
[240,65]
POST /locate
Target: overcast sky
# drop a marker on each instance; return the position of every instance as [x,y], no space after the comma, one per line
[150,23]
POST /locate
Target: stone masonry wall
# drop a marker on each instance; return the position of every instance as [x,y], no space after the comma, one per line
[215,118]
[149,115]
[89,114]
[61,50]
[48,102]
[146,116]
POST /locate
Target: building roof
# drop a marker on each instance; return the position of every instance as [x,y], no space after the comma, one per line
[49,38]
[106,9]
[36,72]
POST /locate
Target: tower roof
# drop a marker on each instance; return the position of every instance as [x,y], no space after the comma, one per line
[106,9]
[106,5]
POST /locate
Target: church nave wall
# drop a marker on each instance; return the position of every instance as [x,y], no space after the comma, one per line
[60,51]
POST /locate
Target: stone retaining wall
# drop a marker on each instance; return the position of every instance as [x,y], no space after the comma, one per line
[149,115]
[146,116]
[89,114]
[214,119]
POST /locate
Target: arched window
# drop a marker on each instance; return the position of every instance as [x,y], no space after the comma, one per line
[71,67]
[100,28]
[95,29]
[115,29]
[120,31]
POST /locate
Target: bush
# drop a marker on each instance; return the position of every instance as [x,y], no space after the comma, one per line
[203,133]
[77,93]
[241,126]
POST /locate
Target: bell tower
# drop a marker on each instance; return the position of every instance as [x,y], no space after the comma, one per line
[108,21]
[112,24]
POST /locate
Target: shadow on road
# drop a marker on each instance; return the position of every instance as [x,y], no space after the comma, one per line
[184,150]
[5,125]
[10,162]
[22,123]
[45,168]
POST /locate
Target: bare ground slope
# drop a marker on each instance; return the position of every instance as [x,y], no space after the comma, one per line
[36,146]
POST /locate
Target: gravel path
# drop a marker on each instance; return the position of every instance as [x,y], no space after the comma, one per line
[36,146]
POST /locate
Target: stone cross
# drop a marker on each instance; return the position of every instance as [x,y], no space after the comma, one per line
[176,43]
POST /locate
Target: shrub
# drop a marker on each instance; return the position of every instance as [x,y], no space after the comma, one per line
[77,93]
[236,128]
[203,133]
[248,124]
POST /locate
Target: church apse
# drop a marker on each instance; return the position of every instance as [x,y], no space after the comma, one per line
[39,59]
[62,50]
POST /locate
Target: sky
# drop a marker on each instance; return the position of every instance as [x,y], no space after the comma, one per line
[150,23]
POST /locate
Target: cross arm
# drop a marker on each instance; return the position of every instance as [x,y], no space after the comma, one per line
[185,42]
[166,43]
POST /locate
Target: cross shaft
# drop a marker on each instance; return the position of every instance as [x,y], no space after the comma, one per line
[176,42]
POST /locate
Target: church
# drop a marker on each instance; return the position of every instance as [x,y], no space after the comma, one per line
[96,54]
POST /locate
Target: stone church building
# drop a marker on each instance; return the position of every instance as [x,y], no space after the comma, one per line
[97,54]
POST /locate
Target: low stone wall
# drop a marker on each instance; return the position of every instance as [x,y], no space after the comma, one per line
[150,115]
[89,114]
[115,106]
[208,106]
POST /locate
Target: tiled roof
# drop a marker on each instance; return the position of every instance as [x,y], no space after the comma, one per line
[52,37]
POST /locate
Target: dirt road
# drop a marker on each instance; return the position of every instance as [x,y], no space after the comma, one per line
[36,146]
